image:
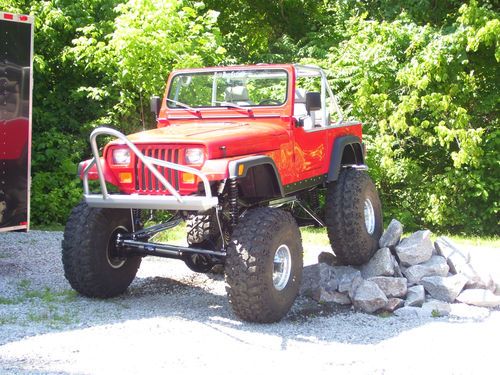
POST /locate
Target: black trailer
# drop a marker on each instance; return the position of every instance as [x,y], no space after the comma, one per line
[16,83]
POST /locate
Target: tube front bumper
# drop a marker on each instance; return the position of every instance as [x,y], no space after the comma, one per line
[175,201]
[151,202]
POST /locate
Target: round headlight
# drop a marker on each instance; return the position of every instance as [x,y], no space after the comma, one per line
[121,156]
[194,155]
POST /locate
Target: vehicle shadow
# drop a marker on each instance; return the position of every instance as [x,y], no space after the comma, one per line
[190,309]
[202,299]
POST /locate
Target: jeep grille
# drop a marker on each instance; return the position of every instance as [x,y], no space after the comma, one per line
[145,181]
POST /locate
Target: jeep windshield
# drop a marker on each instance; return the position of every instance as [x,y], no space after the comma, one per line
[232,89]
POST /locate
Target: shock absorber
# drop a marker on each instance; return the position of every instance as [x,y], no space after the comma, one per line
[137,217]
[233,201]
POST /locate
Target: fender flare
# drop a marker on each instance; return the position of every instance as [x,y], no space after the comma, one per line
[240,167]
[338,150]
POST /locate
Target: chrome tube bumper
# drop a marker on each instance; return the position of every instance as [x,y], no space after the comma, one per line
[162,202]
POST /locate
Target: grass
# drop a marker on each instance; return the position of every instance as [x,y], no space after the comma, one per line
[176,235]
[8,301]
[312,236]
[52,316]
[50,309]
[46,295]
[7,320]
[48,227]
[487,241]
[5,255]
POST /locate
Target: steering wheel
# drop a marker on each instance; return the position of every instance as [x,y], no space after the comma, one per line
[269,101]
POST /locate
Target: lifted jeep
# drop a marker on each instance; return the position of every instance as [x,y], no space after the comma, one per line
[244,154]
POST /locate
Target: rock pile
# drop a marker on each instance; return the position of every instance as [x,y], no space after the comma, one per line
[408,276]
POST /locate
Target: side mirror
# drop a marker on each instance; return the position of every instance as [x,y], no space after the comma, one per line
[313,101]
[304,121]
[155,103]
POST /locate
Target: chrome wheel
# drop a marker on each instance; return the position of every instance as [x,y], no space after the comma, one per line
[369,216]
[112,255]
[282,267]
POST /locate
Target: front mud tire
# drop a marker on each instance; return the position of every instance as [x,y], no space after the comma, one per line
[91,262]
[260,285]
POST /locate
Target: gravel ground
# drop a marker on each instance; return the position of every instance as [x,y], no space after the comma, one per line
[172,319]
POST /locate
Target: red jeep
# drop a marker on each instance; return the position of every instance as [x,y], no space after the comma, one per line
[244,154]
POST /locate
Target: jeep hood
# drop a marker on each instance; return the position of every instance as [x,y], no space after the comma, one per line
[238,138]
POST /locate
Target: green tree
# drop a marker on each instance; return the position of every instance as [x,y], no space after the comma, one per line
[429,98]
[96,62]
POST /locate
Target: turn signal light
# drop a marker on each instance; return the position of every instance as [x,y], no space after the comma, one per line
[188,178]
[241,169]
[125,177]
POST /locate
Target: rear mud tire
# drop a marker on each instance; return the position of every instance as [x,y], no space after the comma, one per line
[353,233]
[91,263]
[255,295]
[203,232]
[201,229]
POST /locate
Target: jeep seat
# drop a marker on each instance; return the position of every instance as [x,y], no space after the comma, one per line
[237,95]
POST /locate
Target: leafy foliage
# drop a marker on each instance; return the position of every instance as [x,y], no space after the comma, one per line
[430,99]
[95,63]
[423,76]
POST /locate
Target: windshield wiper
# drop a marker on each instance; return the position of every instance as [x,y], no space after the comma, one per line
[185,106]
[235,106]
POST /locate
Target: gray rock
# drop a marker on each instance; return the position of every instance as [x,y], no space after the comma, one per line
[479,297]
[317,277]
[356,282]
[327,258]
[496,282]
[497,288]
[379,265]
[391,235]
[340,298]
[464,311]
[495,277]
[482,276]
[368,297]
[446,247]
[410,312]
[415,249]
[436,266]
[444,288]
[391,286]
[455,256]
[394,304]
[436,308]
[474,279]
[323,296]
[398,272]
[415,296]
[345,276]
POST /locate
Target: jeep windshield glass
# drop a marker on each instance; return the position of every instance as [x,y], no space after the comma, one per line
[233,88]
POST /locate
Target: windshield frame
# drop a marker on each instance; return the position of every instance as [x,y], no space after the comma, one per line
[213,72]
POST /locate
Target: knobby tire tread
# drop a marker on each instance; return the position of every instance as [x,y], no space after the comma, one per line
[345,220]
[250,293]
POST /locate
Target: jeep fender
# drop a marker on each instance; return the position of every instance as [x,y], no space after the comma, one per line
[93,175]
[347,150]
[258,176]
